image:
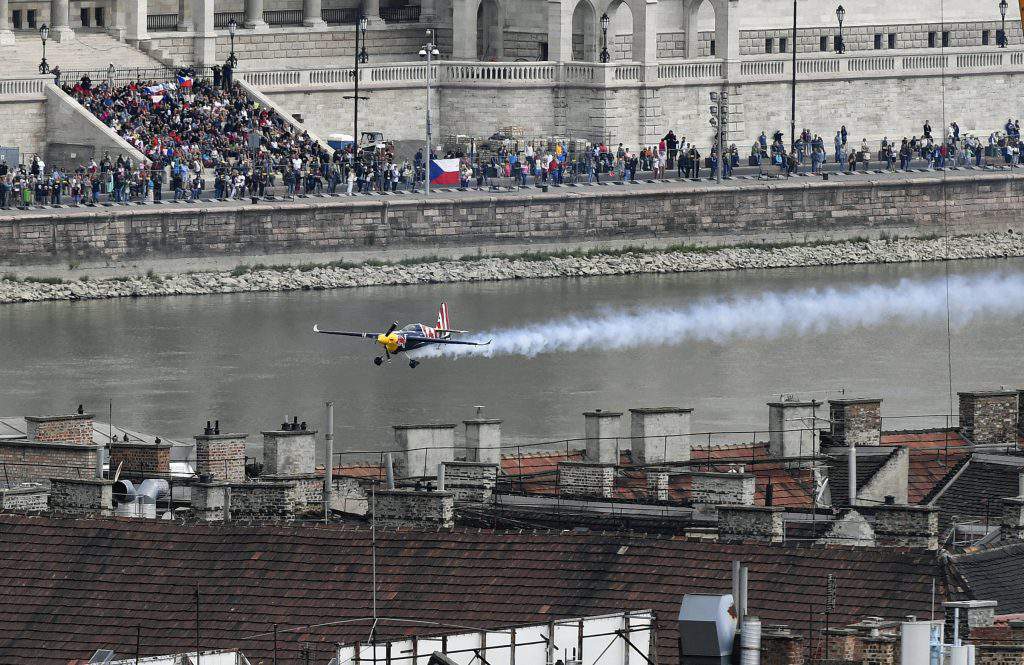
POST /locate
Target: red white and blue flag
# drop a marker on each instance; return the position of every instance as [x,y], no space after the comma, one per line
[444,172]
[185,81]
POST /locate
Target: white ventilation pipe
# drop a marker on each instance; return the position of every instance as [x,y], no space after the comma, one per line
[389,469]
[852,472]
[750,642]
[440,477]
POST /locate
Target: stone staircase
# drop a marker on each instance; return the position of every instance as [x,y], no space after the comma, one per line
[89,50]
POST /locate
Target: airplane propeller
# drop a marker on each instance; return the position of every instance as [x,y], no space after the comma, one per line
[392,328]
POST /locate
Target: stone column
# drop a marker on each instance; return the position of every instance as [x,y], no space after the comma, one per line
[464,27]
[116,15]
[371,9]
[204,42]
[135,13]
[60,21]
[559,30]
[6,34]
[254,15]
[312,14]
[184,16]
[727,36]
[645,32]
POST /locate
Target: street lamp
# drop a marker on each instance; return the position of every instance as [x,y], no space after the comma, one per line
[428,51]
[605,57]
[1002,31]
[44,32]
[232,26]
[361,57]
[841,14]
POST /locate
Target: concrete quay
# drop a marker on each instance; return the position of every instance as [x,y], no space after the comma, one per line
[799,210]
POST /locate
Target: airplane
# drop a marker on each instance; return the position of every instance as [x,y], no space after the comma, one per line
[410,337]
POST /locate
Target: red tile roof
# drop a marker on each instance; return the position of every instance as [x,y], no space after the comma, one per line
[933,455]
[80,585]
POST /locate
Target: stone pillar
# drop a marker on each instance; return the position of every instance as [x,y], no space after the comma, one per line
[204,41]
[289,452]
[483,440]
[6,34]
[602,430]
[312,14]
[60,21]
[254,15]
[989,416]
[559,30]
[791,429]
[371,10]
[464,26]
[135,15]
[116,15]
[660,434]
[645,37]
[727,36]
[184,16]
[855,421]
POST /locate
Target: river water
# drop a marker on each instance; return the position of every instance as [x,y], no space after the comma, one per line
[169,364]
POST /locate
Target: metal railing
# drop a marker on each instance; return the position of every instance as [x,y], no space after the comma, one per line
[161,22]
[123,75]
[283,17]
[221,19]
[400,14]
[343,16]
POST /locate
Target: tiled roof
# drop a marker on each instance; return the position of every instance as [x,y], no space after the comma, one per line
[977,492]
[994,574]
[80,585]
[933,455]
[839,475]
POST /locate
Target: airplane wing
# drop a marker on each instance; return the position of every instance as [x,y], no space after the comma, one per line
[367,335]
[435,340]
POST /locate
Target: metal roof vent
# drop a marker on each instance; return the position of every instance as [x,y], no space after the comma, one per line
[707,629]
[102,657]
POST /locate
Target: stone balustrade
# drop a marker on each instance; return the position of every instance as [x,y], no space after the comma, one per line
[757,69]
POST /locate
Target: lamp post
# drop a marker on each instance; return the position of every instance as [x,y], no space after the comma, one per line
[428,51]
[232,26]
[605,57]
[792,126]
[840,44]
[1002,31]
[44,32]
[361,58]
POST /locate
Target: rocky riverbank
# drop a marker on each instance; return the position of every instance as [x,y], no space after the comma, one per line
[470,269]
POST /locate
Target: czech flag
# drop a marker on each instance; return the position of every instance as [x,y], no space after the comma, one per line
[444,172]
[185,81]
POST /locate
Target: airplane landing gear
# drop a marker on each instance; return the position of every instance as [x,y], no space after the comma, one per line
[378,361]
[413,364]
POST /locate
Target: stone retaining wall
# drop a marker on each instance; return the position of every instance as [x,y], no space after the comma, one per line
[799,211]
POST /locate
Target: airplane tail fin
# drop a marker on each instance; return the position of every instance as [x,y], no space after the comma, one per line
[442,318]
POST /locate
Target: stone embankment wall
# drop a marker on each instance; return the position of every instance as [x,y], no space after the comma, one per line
[790,212]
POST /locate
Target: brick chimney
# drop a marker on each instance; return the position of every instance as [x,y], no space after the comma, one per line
[906,526]
[139,457]
[856,421]
[470,482]
[483,440]
[289,452]
[209,501]
[603,429]
[989,416]
[791,428]
[781,646]
[82,496]
[657,484]
[660,434]
[759,523]
[75,428]
[414,508]
[220,456]
[709,488]
[424,447]
[586,479]
[1012,525]
[971,614]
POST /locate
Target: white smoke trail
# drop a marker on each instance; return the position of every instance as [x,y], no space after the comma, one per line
[768,315]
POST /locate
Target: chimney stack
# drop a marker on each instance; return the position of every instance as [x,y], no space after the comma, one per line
[220,456]
[414,508]
[75,428]
[906,526]
[856,422]
[1012,526]
[660,434]
[792,429]
[82,496]
[708,488]
[603,429]
[289,452]
[425,446]
[483,440]
[750,523]
[989,416]
[586,479]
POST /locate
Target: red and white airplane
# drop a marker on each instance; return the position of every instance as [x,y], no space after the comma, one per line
[410,337]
